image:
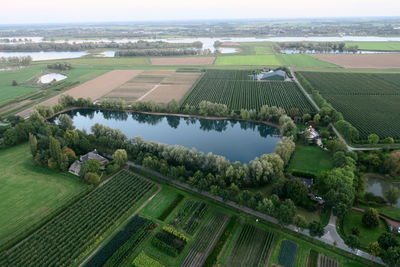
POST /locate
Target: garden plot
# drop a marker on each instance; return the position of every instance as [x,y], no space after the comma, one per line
[324,261]
[161,86]
[251,248]
[287,254]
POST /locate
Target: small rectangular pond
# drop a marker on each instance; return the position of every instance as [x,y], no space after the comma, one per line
[236,140]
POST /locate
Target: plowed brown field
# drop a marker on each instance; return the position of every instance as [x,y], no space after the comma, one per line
[375,61]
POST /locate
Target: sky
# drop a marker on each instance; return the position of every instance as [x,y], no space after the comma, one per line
[60,11]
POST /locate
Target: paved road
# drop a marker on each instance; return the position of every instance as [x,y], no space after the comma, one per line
[330,236]
[307,95]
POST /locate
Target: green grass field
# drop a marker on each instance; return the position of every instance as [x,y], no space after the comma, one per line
[29,193]
[367,235]
[310,159]
[251,60]
[302,60]
[377,46]
[159,203]
[8,91]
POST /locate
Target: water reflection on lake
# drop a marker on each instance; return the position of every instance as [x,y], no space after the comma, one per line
[379,187]
[44,55]
[236,140]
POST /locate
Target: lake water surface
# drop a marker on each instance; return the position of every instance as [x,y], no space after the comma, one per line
[48,78]
[236,140]
[379,186]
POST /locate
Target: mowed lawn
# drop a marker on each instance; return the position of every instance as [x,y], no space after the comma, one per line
[311,159]
[367,235]
[7,91]
[251,60]
[29,193]
[378,46]
[159,203]
[301,60]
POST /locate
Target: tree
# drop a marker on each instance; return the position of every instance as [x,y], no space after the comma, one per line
[92,178]
[391,256]
[285,149]
[316,229]
[33,144]
[56,154]
[387,240]
[91,165]
[392,195]
[285,212]
[65,122]
[392,163]
[300,222]
[370,218]
[352,241]
[295,190]
[373,139]
[347,130]
[120,157]
[374,249]
[14,83]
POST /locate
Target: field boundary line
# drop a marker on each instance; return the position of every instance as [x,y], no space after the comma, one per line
[148,92]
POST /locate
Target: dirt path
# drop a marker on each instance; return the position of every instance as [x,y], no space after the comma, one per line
[92,89]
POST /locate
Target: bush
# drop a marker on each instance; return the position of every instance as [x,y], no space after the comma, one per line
[303,174]
[316,229]
[92,178]
[168,243]
[370,218]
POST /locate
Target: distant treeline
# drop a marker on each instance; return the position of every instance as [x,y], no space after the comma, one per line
[17,61]
[155,52]
[59,66]
[318,46]
[14,40]
[46,46]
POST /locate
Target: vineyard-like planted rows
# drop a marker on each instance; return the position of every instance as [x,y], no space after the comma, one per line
[206,240]
[287,254]
[324,261]
[370,102]
[251,248]
[190,216]
[237,91]
[69,235]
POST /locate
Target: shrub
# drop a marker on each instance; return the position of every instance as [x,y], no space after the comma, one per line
[92,178]
[370,218]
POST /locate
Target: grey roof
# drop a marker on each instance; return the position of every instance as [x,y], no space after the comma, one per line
[93,155]
[75,167]
[273,73]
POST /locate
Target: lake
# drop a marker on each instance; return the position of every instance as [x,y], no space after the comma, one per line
[48,78]
[379,187]
[236,140]
[44,55]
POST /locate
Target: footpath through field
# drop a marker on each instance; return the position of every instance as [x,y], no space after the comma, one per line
[350,148]
[93,89]
[331,235]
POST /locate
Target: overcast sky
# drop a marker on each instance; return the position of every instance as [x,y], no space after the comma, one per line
[39,11]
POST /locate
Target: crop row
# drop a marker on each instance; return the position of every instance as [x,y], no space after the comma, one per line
[190,216]
[135,228]
[248,94]
[206,240]
[287,254]
[251,248]
[324,261]
[71,234]
[368,101]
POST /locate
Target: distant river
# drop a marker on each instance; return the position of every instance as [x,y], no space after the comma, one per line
[236,140]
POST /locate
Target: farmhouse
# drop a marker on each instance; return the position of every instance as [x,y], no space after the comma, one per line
[277,75]
[76,167]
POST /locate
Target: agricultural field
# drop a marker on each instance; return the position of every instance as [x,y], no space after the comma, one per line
[160,86]
[207,238]
[93,89]
[287,253]
[368,101]
[236,90]
[312,159]
[9,92]
[184,61]
[324,261]
[166,200]
[373,61]
[302,60]
[189,216]
[251,248]
[376,46]
[29,194]
[250,60]
[70,236]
